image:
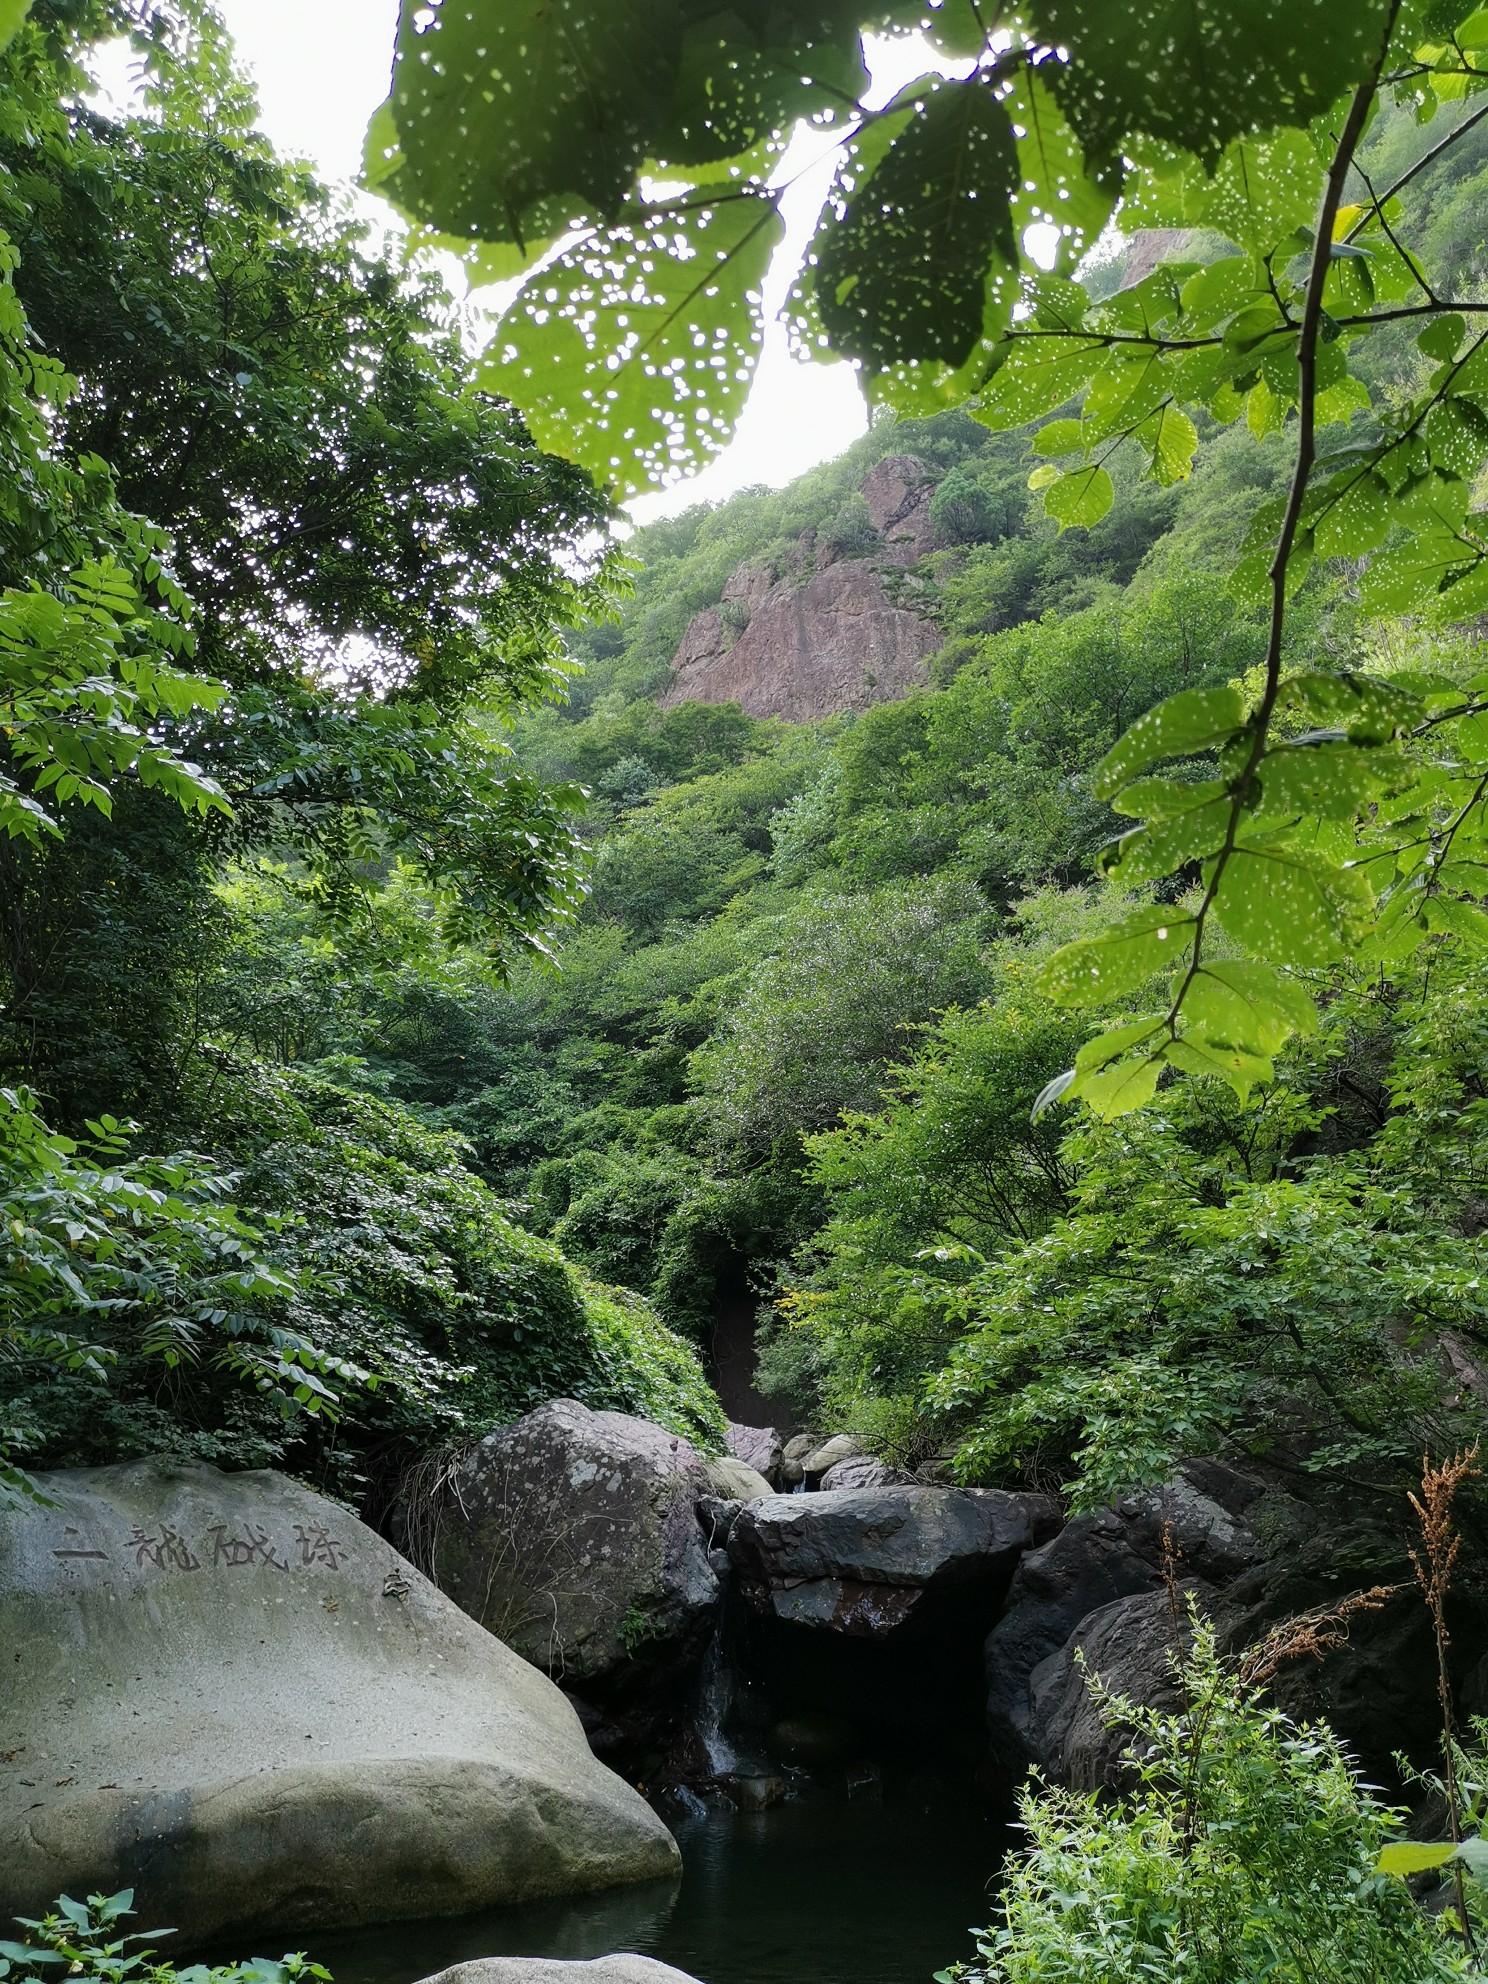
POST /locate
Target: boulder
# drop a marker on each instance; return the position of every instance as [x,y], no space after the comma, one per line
[862,1561]
[1095,1560]
[759,1447]
[865,1471]
[841,1446]
[572,1536]
[793,1456]
[229,1694]
[624,1967]
[733,1481]
[1128,1647]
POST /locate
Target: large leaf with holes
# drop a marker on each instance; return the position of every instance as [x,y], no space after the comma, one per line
[633,351]
[1120,959]
[1292,904]
[499,105]
[902,275]
[1198,73]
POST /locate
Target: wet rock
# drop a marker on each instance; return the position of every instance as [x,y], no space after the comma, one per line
[736,1482]
[623,1968]
[753,1793]
[861,1561]
[573,1536]
[1128,1647]
[1092,1562]
[812,1740]
[715,1516]
[227,1693]
[759,1447]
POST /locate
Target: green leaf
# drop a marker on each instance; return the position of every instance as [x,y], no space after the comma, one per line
[1457,432]
[1442,338]
[1114,1041]
[1120,1088]
[1247,1005]
[1080,498]
[1409,1856]
[1195,1054]
[1292,904]
[1060,437]
[1399,581]
[1040,372]
[1150,852]
[901,275]
[1171,441]
[1371,709]
[1092,970]
[1330,778]
[12,13]
[1204,73]
[633,361]
[1472,1853]
[1055,184]
[1193,720]
[1354,518]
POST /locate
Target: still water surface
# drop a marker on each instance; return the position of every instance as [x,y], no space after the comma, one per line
[820,1890]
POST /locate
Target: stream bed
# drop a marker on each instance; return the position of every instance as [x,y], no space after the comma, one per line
[824,1889]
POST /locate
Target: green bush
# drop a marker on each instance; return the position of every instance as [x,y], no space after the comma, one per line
[1247,1851]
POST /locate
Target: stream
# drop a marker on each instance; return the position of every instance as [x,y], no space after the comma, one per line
[823,1889]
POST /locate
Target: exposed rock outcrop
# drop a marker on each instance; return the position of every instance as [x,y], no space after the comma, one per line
[572,1535]
[827,634]
[225,1692]
[1126,1648]
[864,1561]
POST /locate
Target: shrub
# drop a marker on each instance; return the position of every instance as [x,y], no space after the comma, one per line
[1247,1850]
[78,1939]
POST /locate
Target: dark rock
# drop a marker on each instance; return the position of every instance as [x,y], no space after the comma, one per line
[897,491]
[861,1561]
[793,1457]
[573,1536]
[715,1515]
[1128,1647]
[1095,1560]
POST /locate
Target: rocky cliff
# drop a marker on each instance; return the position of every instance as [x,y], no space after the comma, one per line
[820,632]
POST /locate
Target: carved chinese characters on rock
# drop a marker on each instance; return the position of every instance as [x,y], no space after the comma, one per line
[224,1547]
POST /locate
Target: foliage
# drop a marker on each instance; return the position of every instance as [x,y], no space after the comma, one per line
[84,1937]
[1247,1849]
[137,1261]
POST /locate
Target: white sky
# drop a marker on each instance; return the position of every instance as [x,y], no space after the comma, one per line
[321,69]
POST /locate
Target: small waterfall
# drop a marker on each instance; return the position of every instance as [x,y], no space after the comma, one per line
[714,1701]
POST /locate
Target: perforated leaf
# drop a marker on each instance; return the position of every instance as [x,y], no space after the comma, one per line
[1292,905]
[663,346]
[902,275]
[1193,720]
[1201,73]
[1054,184]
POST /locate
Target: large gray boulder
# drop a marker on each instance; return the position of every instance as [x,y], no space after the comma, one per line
[624,1967]
[572,1536]
[863,1561]
[1095,1560]
[759,1447]
[225,1692]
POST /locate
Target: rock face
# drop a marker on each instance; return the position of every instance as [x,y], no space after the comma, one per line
[897,491]
[734,1481]
[863,1561]
[1092,1562]
[574,1539]
[835,641]
[864,1471]
[827,634]
[227,1693]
